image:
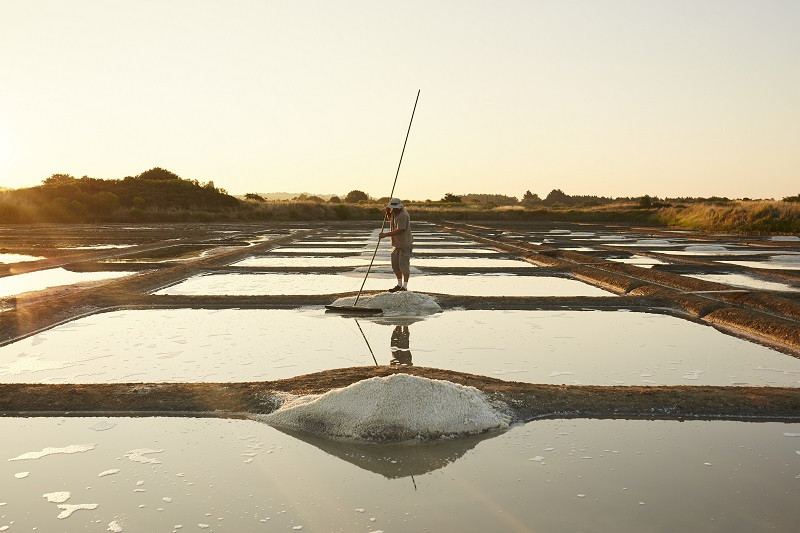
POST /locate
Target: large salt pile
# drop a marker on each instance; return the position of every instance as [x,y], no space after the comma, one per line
[395,408]
[403,303]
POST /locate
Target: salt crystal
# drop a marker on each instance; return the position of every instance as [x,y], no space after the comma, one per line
[57,497]
[167,499]
[68,509]
[105,473]
[73,448]
[114,527]
[20,475]
[538,458]
[138,456]
[785,435]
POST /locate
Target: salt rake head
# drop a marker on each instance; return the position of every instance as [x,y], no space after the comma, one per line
[353,310]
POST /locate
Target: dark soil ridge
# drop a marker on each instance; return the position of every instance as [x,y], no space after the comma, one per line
[524,401]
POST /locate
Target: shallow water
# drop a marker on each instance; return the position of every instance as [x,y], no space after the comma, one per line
[778,262]
[302,261]
[747,282]
[548,475]
[53,277]
[357,261]
[722,250]
[18,258]
[639,260]
[305,284]
[198,345]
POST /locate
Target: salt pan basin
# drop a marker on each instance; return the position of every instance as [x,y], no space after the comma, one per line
[747,282]
[561,475]
[300,284]
[18,258]
[571,347]
[53,277]
[396,408]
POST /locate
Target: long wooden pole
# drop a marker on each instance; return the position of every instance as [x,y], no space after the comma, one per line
[391,195]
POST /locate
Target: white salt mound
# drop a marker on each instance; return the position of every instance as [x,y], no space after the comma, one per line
[395,408]
[404,303]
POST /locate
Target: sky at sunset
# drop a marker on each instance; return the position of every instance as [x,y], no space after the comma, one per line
[613,98]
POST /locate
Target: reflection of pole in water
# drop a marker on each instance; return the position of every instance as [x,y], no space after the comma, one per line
[365,340]
[401,355]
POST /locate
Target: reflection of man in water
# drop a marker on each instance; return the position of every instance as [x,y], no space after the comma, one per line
[401,355]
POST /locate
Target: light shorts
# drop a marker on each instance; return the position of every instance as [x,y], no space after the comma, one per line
[401,261]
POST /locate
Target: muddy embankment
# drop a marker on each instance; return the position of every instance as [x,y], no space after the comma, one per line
[524,401]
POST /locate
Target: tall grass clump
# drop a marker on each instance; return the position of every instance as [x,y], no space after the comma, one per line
[758,217]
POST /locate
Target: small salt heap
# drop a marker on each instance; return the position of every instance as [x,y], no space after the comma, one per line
[395,408]
[404,303]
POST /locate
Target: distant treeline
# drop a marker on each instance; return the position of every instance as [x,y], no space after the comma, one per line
[159,195]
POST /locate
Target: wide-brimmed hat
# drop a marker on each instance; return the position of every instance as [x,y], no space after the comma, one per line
[395,204]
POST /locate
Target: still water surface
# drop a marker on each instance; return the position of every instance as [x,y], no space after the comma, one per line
[184,474]
[580,347]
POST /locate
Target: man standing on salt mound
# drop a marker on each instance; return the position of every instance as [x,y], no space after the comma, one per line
[402,241]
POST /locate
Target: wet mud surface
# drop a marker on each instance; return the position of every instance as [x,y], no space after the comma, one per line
[525,401]
[162,256]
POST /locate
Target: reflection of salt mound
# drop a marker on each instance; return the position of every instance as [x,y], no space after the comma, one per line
[405,303]
[395,408]
[784,238]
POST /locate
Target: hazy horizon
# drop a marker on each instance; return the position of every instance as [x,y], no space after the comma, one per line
[617,98]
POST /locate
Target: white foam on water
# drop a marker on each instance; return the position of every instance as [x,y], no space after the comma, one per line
[57,497]
[21,475]
[791,434]
[68,509]
[73,448]
[103,425]
[397,408]
[105,473]
[138,456]
[404,303]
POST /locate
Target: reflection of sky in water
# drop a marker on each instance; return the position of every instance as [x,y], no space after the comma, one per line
[304,284]
[53,277]
[722,250]
[777,262]
[355,261]
[587,347]
[561,475]
[18,258]
[639,260]
[748,282]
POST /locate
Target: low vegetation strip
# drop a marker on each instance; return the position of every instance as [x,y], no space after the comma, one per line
[158,195]
[524,401]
